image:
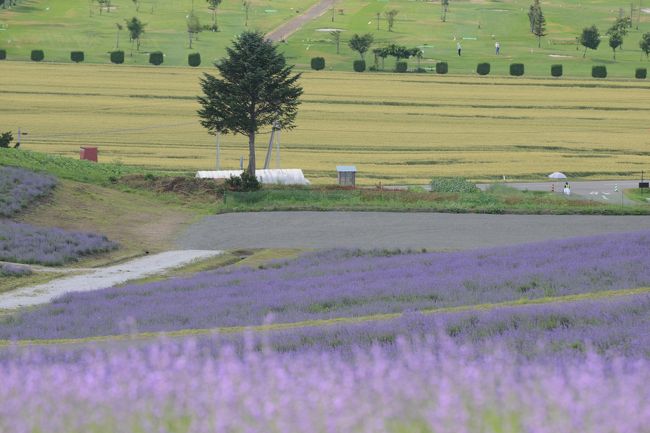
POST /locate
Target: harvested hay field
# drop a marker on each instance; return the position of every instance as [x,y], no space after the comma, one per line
[396,128]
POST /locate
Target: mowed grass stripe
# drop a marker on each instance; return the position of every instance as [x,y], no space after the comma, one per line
[331,322]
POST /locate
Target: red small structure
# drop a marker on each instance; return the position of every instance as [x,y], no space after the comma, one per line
[88,153]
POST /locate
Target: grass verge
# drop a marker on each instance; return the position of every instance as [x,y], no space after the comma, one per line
[11,283]
[497,200]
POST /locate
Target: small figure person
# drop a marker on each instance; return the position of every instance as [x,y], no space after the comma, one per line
[458,47]
[497,47]
[567,188]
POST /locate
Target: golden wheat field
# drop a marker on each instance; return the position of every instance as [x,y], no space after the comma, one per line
[397,129]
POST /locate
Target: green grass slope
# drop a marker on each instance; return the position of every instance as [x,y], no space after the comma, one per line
[60,27]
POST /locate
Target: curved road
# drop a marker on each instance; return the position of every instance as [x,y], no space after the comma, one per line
[434,231]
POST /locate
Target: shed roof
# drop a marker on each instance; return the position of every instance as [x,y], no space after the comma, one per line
[346,168]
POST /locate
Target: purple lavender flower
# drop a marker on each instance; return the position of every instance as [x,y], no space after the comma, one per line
[345,284]
[19,188]
[24,243]
[430,385]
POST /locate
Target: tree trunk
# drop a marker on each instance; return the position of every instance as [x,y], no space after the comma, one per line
[190,34]
[251,153]
[539,42]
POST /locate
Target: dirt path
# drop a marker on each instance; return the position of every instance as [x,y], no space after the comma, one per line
[287,29]
[434,231]
[102,278]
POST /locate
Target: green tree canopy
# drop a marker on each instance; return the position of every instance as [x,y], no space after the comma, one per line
[361,43]
[590,39]
[255,88]
[644,44]
[539,26]
[136,30]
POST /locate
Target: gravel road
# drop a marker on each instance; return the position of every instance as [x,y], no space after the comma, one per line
[434,231]
[101,278]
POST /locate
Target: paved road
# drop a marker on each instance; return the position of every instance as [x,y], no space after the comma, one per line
[608,191]
[287,29]
[101,278]
[434,231]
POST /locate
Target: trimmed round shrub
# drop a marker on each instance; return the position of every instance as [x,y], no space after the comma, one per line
[77,56]
[517,69]
[483,68]
[318,63]
[37,55]
[556,70]
[117,57]
[442,68]
[194,59]
[599,71]
[401,67]
[156,58]
[641,73]
[3,54]
[359,65]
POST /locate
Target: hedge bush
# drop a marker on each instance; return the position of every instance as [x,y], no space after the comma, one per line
[77,56]
[599,71]
[442,68]
[117,57]
[194,59]
[318,63]
[641,73]
[556,70]
[359,65]
[517,69]
[401,67]
[452,184]
[483,68]
[3,54]
[245,183]
[37,55]
[156,58]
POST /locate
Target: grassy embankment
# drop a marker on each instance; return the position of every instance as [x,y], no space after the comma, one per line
[67,25]
[397,129]
[151,208]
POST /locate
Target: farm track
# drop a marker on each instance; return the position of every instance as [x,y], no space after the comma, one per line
[100,278]
[329,322]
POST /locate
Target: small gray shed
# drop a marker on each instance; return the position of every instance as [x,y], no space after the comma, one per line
[347,174]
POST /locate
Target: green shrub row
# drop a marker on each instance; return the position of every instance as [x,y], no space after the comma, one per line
[117,57]
[516,69]
[318,63]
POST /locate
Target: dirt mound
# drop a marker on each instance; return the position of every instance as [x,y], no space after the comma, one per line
[181,185]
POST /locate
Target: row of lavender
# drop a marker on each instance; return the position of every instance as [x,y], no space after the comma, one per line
[19,188]
[343,283]
[24,243]
[430,386]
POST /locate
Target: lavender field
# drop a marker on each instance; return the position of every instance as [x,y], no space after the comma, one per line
[24,243]
[9,270]
[345,284]
[19,188]
[431,386]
